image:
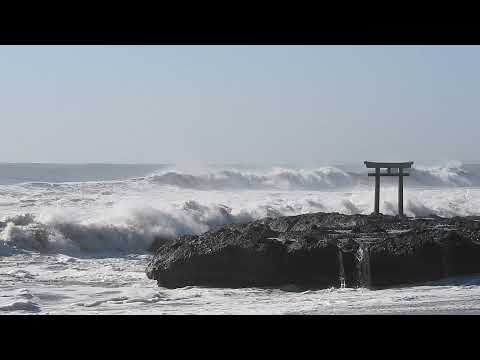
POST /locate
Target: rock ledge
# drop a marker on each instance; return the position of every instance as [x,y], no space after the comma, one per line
[321,250]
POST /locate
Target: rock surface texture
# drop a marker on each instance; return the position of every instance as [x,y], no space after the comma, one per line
[321,250]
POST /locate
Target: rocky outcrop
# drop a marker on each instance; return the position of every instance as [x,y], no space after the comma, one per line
[321,250]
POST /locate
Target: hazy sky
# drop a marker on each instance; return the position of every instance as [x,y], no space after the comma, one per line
[239,104]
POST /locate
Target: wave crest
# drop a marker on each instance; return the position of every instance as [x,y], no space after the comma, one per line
[137,231]
[453,174]
[279,178]
[135,228]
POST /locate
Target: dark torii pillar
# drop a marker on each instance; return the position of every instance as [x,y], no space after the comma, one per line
[389,166]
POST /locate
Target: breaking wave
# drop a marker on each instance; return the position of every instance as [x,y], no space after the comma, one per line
[136,231]
[453,174]
[140,227]
[284,179]
[132,215]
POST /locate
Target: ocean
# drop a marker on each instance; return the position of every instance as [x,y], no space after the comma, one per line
[75,238]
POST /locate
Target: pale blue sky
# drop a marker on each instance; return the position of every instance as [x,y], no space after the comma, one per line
[239,104]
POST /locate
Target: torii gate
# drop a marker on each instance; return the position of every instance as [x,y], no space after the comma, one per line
[389,166]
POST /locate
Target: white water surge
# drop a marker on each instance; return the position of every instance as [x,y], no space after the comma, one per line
[76,241]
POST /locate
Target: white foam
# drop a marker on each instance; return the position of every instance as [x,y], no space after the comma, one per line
[118,285]
[80,247]
[134,219]
[19,300]
[21,305]
[451,174]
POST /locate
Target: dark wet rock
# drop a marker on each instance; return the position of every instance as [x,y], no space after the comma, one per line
[321,250]
[158,242]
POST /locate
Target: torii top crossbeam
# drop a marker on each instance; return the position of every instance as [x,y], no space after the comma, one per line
[388,165]
[391,165]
